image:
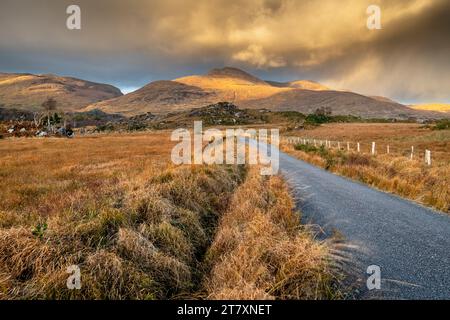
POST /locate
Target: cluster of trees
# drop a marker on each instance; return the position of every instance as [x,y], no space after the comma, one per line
[49,116]
[321,115]
[51,120]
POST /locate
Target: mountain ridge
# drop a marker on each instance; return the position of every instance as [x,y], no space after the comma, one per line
[247,91]
[26,91]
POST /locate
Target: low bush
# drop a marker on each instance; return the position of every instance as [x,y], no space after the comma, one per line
[305,148]
[442,125]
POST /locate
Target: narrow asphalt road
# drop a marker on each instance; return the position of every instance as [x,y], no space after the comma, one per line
[410,243]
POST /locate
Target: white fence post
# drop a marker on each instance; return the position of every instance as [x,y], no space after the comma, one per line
[428,157]
[387,149]
[359,147]
[412,152]
[348,146]
[373,147]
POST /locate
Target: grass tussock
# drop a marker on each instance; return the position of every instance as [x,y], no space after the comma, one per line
[136,227]
[262,252]
[149,248]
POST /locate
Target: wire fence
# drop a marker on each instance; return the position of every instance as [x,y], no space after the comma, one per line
[365,147]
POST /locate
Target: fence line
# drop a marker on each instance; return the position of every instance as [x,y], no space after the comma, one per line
[329,144]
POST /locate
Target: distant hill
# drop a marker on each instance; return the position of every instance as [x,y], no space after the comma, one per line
[27,91]
[247,91]
[231,84]
[158,97]
[339,102]
[440,107]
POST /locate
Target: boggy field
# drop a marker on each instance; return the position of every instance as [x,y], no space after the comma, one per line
[394,172]
[139,227]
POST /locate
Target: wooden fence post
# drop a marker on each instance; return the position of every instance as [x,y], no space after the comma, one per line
[428,157]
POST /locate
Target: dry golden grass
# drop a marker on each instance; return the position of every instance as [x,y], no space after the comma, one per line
[393,172]
[412,179]
[399,136]
[42,176]
[139,227]
[136,226]
[262,252]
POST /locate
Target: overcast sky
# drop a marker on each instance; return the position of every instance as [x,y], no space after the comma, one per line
[129,43]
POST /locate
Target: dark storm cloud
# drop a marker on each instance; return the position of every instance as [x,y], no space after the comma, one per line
[410,61]
[129,43]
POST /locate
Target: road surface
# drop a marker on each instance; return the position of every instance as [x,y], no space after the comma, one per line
[410,243]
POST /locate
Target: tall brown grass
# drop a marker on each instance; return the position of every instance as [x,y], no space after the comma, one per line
[399,136]
[412,179]
[262,252]
[135,225]
[141,228]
